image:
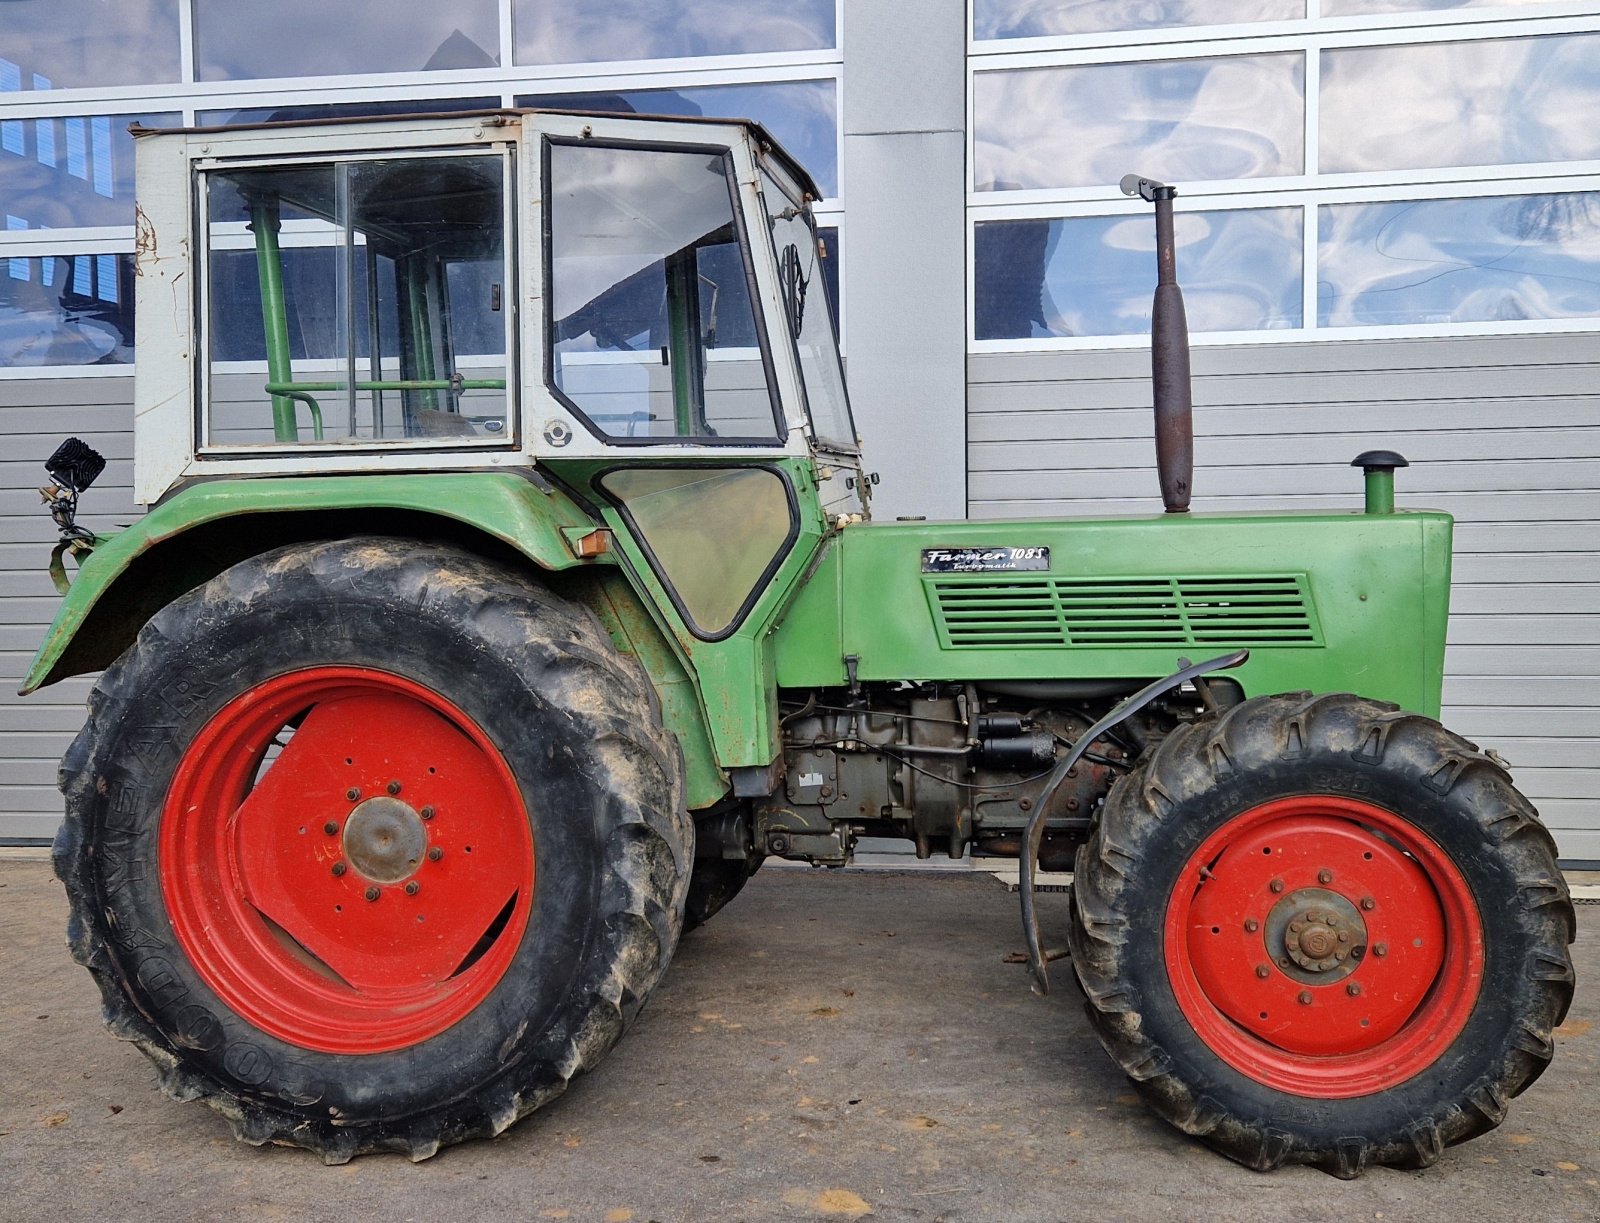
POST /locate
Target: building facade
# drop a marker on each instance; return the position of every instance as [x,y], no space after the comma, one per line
[1389,235]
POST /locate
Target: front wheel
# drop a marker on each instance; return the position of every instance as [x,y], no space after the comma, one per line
[1321,930]
[373,845]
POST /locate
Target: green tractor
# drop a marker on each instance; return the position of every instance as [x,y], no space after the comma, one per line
[509,594]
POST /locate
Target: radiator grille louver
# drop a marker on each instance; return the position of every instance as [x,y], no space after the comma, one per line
[1021,611]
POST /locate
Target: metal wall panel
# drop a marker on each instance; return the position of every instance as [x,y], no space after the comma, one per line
[35,415]
[1504,433]
[904,271]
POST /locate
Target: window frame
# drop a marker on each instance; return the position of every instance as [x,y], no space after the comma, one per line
[1306,191]
[200,172]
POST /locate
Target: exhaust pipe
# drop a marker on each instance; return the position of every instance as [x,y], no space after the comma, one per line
[1169,355]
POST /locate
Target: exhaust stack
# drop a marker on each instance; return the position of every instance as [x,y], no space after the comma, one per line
[1169,355]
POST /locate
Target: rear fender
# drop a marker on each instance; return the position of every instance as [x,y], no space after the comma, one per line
[206,527]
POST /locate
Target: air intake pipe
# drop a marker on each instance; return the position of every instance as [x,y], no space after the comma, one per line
[1169,355]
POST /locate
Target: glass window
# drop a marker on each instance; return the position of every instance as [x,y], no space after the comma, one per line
[1182,120]
[1493,259]
[358,301]
[1037,18]
[585,31]
[56,173]
[800,114]
[653,332]
[301,112]
[66,310]
[45,44]
[1240,271]
[1501,101]
[234,42]
[1353,8]
[712,533]
[809,315]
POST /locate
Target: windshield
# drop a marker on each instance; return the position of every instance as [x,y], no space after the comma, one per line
[805,296]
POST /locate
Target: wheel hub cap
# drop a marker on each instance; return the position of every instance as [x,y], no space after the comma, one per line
[1319,932]
[384,840]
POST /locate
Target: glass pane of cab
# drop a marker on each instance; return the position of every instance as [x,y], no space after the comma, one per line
[809,315]
[653,331]
[359,301]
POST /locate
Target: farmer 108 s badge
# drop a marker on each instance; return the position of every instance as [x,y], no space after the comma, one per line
[984,560]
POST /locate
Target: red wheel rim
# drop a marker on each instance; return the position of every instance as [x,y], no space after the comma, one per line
[1323,946]
[367,886]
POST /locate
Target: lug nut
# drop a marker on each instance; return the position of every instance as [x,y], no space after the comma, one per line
[1276,885]
[1251,925]
[394,787]
[1324,876]
[1368,903]
[352,793]
[1353,989]
[339,868]
[435,853]
[1380,950]
[1263,971]
[413,887]
[373,893]
[426,813]
[331,828]
[1305,998]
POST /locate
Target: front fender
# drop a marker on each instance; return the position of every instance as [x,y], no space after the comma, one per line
[206,527]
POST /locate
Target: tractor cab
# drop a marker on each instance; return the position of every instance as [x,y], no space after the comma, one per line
[488,290]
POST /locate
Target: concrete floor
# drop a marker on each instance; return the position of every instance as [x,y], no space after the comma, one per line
[833,1046]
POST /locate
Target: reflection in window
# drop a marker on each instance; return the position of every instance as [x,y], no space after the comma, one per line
[314,38]
[1183,120]
[45,44]
[584,31]
[66,310]
[1094,276]
[712,533]
[1353,8]
[56,173]
[800,114]
[1485,102]
[391,276]
[1494,259]
[1038,18]
[653,333]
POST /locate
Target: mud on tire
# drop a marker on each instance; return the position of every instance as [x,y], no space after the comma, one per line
[386,659]
[1259,867]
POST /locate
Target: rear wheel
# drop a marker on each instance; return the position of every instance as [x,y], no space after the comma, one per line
[373,845]
[1321,930]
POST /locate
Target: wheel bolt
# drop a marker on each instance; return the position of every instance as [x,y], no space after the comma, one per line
[1251,925]
[331,828]
[1380,950]
[426,813]
[1353,989]
[435,854]
[1276,885]
[1368,903]
[373,893]
[352,793]
[1305,998]
[413,887]
[394,787]
[338,868]
[1324,876]
[1263,971]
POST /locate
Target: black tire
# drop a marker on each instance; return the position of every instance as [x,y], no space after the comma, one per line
[714,883]
[575,723]
[1288,753]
